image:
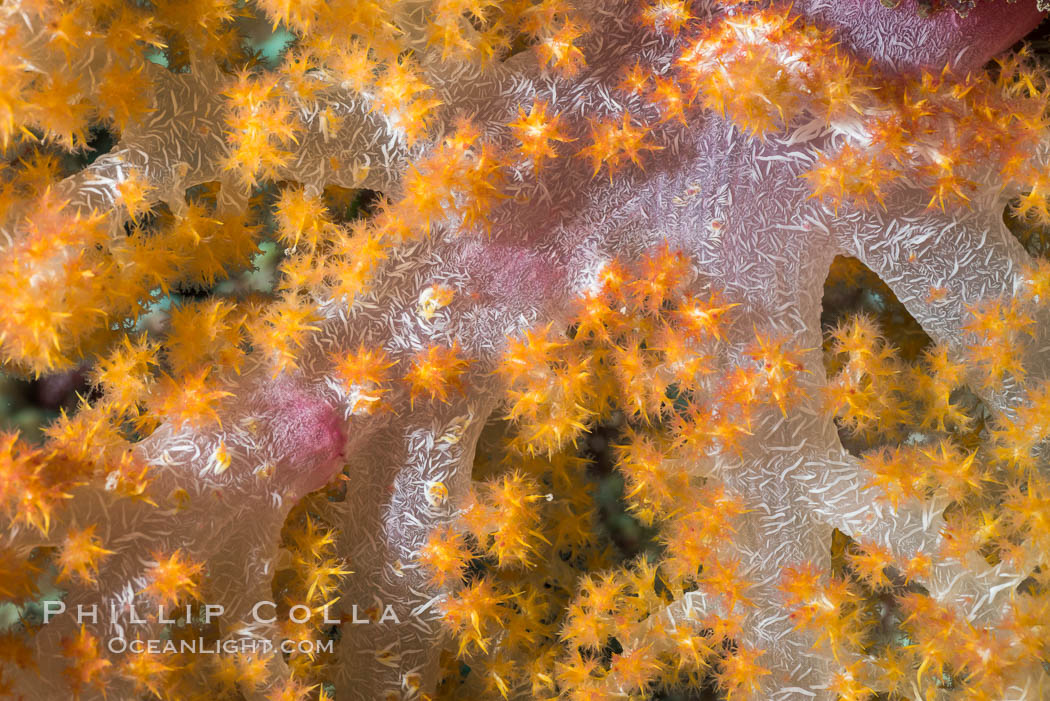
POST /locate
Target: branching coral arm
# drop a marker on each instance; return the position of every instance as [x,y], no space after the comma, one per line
[953,267]
[913,532]
[399,490]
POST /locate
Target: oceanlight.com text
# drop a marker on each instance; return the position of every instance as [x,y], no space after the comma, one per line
[200,646]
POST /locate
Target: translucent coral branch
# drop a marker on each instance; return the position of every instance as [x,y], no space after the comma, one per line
[953,262]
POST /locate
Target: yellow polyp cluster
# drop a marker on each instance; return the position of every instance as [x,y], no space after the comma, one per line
[651,483]
[90,666]
[768,71]
[283,328]
[191,399]
[536,131]
[209,332]
[779,365]
[67,281]
[551,631]
[136,195]
[833,610]
[453,26]
[311,578]
[1016,437]
[264,119]
[639,347]
[308,574]
[368,370]
[20,584]
[740,673]
[670,98]
[547,390]
[558,50]
[59,263]
[666,16]
[292,690]
[324,257]
[461,179]
[240,671]
[504,522]
[852,172]
[125,376]
[614,142]
[61,107]
[262,127]
[148,672]
[405,97]
[173,578]
[868,382]
[1001,330]
[740,67]
[81,554]
[943,449]
[301,216]
[947,642]
[435,373]
[446,556]
[121,100]
[475,614]
[35,481]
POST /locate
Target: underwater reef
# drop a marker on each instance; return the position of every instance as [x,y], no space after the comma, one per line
[525,349]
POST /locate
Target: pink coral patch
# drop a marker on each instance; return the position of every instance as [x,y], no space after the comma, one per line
[509,274]
[308,435]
